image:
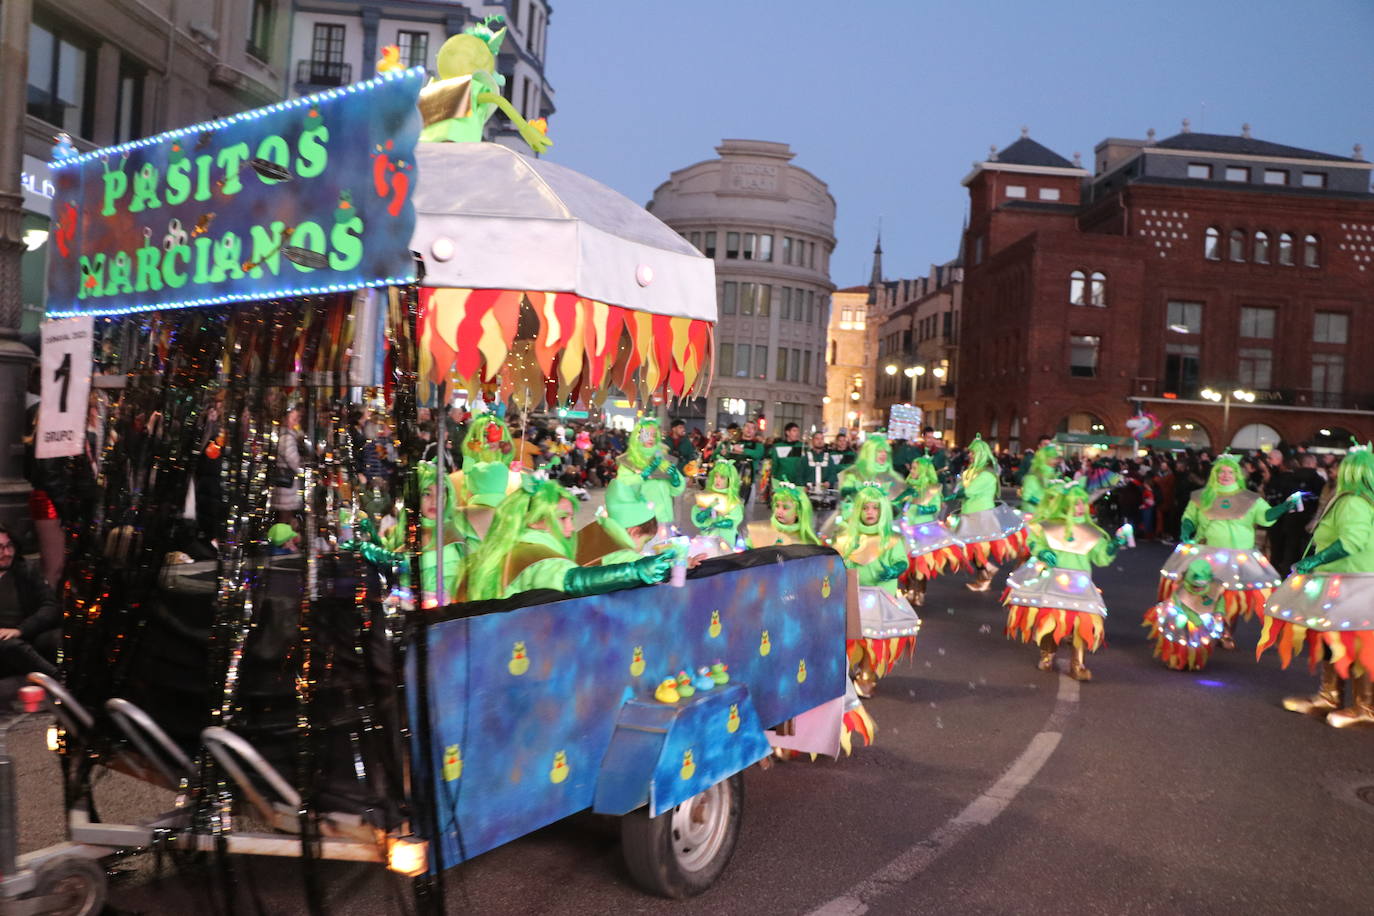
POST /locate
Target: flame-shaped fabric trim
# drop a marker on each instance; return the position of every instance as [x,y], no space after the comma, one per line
[1031,624]
[580,345]
[1178,656]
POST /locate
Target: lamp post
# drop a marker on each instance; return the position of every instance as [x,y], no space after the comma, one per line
[1224,398]
[911,372]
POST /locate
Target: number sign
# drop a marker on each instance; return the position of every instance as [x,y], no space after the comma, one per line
[66,367]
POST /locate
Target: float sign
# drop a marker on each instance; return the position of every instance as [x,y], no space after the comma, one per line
[66,368]
[306,196]
[904,422]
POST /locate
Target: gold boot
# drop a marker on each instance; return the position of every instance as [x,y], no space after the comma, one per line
[983,581]
[918,593]
[1326,699]
[1047,650]
[1077,669]
[1361,708]
[865,678]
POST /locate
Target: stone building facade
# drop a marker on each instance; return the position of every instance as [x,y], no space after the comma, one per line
[770,227]
[918,348]
[1180,271]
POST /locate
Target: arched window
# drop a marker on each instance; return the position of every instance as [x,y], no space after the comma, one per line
[1099,289]
[1237,252]
[1077,288]
[1190,432]
[1261,247]
[1212,247]
[1285,249]
[1309,251]
[1255,437]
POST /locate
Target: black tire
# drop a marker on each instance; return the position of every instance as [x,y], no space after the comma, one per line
[655,850]
[74,886]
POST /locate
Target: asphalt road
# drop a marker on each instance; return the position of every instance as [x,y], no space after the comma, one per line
[992,788]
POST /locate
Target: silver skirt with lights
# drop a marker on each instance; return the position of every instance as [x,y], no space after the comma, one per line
[1325,601]
[1037,584]
[988,525]
[883,615]
[1236,569]
[924,537]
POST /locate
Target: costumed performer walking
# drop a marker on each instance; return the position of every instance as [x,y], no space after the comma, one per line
[1043,469]
[1219,527]
[1327,604]
[531,545]
[989,530]
[1053,596]
[931,548]
[1189,624]
[869,543]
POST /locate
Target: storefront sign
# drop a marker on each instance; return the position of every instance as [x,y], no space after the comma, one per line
[306,196]
[66,367]
[904,422]
[36,184]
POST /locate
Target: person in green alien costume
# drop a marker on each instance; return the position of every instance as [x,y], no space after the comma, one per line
[1186,628]
[719,511]
[931,547]
[789,521]
[531,545]
[457,105]
[486,477]
[988,529]
[620,533]
[1219,527]
[873,465]
[1043,469]
[1055,599]
[867,543]
[646,469]
[1327,604]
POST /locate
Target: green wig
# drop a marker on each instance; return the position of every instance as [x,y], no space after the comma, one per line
[1356,473]
[866,462]
[488,439]
[979,459]
[638,455]
[536,501]
[784,492]
[1209,492]
[731,472]
[922,474]
[854,527]
[1058,505]
[1043,462]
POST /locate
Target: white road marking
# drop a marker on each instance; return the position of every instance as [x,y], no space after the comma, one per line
[982,811]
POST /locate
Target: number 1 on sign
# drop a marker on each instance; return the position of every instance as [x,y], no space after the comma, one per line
[63,373]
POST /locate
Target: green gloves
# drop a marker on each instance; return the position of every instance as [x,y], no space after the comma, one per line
[1048,556]
[893,570]
[702,519]
[674,476]
[1336,551]
[957,494]
[1187,531]
[652,466]
[597,580]
[371,549]
[1292,504]
[927,510]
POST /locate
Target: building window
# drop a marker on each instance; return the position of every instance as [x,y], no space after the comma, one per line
[1184,317]
[1309,251]
[781,372]
[1099,289]
[1276,176]
[729,300]
[326,55]
[750,242]
[415,51]
[846,318]
[1083,355]
[1078,288]
[811,261]
[1237,173]
[834,352]
[695,239]
[765,249]
[1256,322]
[725,359]
[1017,191]
[732,246]
[786,296]
[764,295]
[748,294]
[1237,252]
[129,102]
[1285,249]
[806,369]
[59,89]
[1314,179]
[795,375]
[1211,248]
[260,29]
[760,361]
[1261,247]
[1328,379]
[1199,170]
[787,249]
[742,354]
[710,249]
[1330,327]
[1181,369]
[1256,367]
[978,250]
[1049,193]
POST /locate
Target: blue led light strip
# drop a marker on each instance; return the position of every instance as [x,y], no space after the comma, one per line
[220,123]
[288,293]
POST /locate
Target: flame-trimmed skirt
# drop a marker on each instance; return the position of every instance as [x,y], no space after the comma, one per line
[1322,613]
[1044,600]
[1245,574]
[992,535]
[931,549]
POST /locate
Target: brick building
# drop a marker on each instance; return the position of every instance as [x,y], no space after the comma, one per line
[1179,271]
[918,344]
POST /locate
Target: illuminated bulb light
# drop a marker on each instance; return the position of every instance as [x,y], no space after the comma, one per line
[407,856]
[237,297]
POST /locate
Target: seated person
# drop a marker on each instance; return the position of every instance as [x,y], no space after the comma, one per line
[531,545]
[30,620]
[621,533]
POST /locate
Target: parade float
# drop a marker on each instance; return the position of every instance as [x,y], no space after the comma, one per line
[315,273]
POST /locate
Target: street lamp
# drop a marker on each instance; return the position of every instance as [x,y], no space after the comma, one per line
[1224,398]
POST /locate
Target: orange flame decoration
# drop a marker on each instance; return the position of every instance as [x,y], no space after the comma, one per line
[579,345]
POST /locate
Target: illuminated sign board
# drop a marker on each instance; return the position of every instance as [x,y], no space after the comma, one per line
[309,195]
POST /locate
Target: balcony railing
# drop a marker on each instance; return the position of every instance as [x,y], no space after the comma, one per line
[1275,397]
[324,72]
